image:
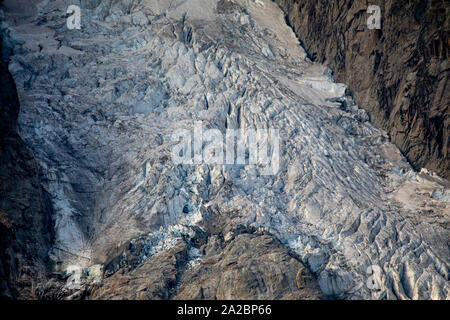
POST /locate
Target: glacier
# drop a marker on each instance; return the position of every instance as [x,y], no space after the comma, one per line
[99,105]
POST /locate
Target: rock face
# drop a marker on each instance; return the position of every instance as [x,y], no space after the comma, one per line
[25,209]
[102,108]
[399,73]
[245,267]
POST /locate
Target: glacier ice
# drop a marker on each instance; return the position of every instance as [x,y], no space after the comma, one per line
[99,104]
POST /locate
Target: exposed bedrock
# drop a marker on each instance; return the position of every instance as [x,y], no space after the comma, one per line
[25,209]
[399,73]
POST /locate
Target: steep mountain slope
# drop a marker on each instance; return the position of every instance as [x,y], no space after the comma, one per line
[100,107]
[399,73]
[25,209]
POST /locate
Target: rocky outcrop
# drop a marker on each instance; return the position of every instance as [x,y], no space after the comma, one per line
[25,211]
[217,260]
[247,266]
[398,73]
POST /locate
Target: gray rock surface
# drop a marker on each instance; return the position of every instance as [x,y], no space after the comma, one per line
[99,107]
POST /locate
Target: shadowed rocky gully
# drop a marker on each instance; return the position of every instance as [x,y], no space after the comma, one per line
[223,149]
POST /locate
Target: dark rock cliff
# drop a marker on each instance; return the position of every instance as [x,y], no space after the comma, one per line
[25,210]
[398,73]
